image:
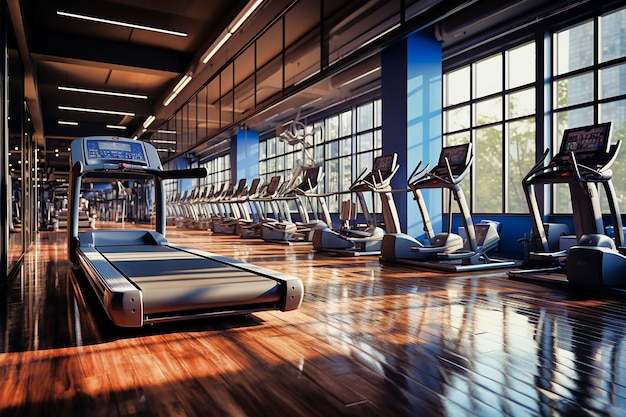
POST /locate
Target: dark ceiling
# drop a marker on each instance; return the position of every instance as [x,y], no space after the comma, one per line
[69,52]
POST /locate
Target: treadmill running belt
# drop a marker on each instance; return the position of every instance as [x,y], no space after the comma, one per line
[174,280]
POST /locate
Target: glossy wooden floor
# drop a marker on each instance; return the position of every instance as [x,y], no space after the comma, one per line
[369,340]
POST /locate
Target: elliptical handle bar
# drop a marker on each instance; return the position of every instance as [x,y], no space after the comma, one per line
[417,172]
[576,166]
[539,166]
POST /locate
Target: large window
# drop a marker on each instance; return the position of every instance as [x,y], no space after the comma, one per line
[589,86]
[219,172]
[491,103]
[346,143]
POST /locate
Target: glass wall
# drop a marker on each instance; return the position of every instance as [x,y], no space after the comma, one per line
[494,102]
[346,142]
[306,38]
[13,171]
[219,172]
[589,85]
[19,162]
[491,103]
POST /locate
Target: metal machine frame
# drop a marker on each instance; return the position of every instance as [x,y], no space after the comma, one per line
[446,251]
[583,163]
[138,277]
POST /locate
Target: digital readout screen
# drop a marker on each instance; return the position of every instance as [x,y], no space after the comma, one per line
[116,150]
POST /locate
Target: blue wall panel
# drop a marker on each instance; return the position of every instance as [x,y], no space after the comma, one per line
[246,155]
[412,118]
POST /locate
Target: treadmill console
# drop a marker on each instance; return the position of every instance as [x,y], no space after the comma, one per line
[112,150]
[589,143]
[457,158]
[383,168]
[272,187]
[309,180]
[384,165]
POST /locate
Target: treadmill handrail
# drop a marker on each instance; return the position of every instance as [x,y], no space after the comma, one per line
[451,179]
[539,166]
[378,185]
[182,173]
[416,173]
[602,174]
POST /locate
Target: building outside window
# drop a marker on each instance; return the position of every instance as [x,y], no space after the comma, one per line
[491,103]
[346,143]
[589,86]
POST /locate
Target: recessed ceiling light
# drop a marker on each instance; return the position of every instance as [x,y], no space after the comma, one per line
[101,111]
[106,93]
[67,123]
[118,23]
[118,127]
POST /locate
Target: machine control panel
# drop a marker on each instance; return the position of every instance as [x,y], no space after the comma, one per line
[590,144]
[98,150]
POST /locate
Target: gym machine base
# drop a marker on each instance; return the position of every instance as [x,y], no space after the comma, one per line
[583,163]
[138,277]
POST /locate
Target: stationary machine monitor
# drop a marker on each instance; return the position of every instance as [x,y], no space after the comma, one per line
[586,142]
[454,157]
[101,150]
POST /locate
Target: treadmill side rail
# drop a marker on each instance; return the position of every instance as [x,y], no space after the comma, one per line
[121,300]
[292,287]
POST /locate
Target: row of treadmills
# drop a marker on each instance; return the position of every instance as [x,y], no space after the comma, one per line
[140,278]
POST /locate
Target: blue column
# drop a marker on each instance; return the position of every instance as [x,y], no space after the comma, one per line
[245,155]
[412,119]
[184,183]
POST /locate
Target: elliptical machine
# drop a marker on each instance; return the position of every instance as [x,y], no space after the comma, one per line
[583,163]
[446,251]
[349,241]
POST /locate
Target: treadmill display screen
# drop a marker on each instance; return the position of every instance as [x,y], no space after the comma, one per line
[115,150]
[273,185]
[383,163]
[456,155]
[457,158]
[587,140]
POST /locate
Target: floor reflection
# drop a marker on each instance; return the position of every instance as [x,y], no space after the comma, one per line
[368,338]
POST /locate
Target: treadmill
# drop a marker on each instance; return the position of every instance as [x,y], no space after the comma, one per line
[138,277]
[446,251]
[583,163]
[348,241]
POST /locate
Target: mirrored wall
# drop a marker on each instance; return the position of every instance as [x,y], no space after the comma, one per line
[19,164]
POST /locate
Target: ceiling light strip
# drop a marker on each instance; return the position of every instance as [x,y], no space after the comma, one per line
[102,92]
[217,47]
[149,121]
[178,88]
[101,111]
[118,23]
[245,15]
